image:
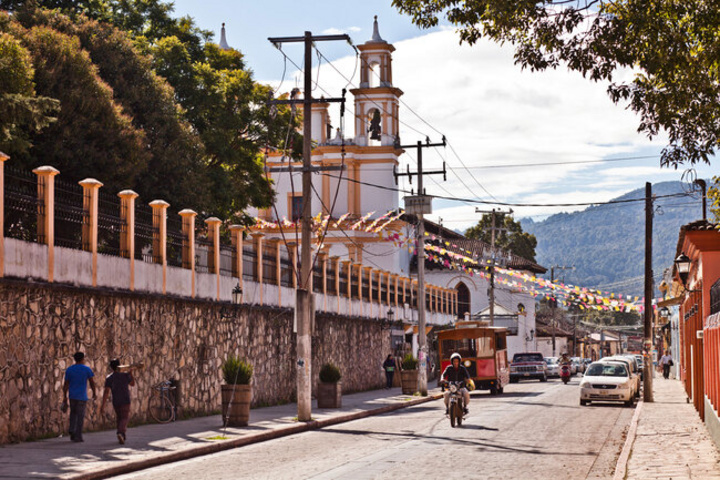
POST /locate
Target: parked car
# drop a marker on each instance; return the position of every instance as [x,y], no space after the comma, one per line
[528,365]
[640,365]
[607,381]
[631,368]
[553,367]
[579,364]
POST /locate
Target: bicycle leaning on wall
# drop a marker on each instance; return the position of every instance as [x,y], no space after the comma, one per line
[161,405]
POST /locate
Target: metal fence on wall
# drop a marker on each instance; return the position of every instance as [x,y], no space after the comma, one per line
[21,204]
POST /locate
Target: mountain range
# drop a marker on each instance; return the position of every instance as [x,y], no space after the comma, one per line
[604,245]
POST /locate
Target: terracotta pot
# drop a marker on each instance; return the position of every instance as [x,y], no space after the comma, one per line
[409,380]
[236,405]
[329,395]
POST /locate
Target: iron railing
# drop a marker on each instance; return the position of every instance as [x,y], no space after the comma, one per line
[175,241]
[715,297]
[21,204]
[70,216]
[111,226]
[145,232]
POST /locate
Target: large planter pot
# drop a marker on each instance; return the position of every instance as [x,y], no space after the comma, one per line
[329,395]
[236,405]
[408,379]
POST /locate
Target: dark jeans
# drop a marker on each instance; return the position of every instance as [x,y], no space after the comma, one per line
[77,418]
[122,413]
[666,370]
[389,378]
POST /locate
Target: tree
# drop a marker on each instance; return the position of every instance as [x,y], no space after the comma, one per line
[22,112]
[224,121]
[92,136]
[672,45]
[511,238]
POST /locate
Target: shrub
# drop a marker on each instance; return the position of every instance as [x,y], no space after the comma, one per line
[409,362]
[236,371]
[330,373]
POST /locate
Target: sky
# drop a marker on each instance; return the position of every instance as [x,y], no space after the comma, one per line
[497,118]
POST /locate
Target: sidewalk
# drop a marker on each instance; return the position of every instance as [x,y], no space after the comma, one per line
[101,456]
[668,440]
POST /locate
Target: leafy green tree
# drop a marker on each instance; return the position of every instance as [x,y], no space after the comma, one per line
[672,45]
[174,149]
[220,101]
[714,198]
[22,112]
[92,136]
[511,237]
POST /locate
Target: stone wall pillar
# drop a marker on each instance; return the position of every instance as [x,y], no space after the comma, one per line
[127,232]
[347,271]
[258,244]
[46,213]
[237,243]
[188,251]
[159,208]
[91,192]
[213,226]
[3,159]
[293,254]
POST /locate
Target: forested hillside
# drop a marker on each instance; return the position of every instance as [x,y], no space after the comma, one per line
[605,243]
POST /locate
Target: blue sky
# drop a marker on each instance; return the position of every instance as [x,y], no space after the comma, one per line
[495,116]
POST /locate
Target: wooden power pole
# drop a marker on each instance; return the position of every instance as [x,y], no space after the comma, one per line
[305,310]
[648,317]
[419,205]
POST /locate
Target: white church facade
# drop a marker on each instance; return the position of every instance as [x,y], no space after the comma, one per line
[383,255]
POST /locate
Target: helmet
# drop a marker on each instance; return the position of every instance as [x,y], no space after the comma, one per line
[454,356]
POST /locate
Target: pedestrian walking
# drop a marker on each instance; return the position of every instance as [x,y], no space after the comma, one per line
[666,362]
[389,367]
[75,386]
[118,385]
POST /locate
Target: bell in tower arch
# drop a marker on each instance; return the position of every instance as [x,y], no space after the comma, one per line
[375,129]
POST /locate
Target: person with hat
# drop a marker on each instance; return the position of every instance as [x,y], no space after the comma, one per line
[118,385]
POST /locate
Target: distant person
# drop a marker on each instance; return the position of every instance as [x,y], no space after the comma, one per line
[118,384]
[75,386]
[666,362]
[389,367]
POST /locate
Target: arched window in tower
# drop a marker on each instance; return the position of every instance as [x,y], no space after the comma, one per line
[375,125]
[463,300]
[374,75]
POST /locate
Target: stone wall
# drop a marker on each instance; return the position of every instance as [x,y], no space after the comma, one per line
[42,325]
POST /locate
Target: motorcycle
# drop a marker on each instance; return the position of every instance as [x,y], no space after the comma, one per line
[456,409]
[565,372]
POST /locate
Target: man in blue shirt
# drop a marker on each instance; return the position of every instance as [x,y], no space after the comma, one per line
[75,387]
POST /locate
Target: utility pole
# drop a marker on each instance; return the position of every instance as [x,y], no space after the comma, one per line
[491,288]
[419,205]
[553,305]
[647,364]
[304,305]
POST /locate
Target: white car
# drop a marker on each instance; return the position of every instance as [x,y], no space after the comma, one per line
[579,363]
[553,367]
[607,381]
[632,368]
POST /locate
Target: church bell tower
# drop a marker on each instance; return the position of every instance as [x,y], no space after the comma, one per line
[376,101]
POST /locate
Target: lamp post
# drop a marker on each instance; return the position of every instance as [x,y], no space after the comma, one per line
[682,263]
[237,295]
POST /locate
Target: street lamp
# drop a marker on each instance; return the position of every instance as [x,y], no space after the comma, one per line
[237,294]
[682,263]
[389,319]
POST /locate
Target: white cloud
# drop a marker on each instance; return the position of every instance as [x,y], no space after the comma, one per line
[494,113]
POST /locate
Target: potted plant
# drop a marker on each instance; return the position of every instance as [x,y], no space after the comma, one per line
[329,393]
[409,374]
[236,392]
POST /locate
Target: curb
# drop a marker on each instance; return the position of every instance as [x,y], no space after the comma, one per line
[248,440]
[622,462]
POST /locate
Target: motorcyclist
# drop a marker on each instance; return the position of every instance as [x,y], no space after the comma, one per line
[456,372]
[564,359]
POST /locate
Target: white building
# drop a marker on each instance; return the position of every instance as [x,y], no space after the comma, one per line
[368,185]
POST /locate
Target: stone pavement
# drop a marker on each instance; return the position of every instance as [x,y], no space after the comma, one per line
[100,456]
[669,440]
